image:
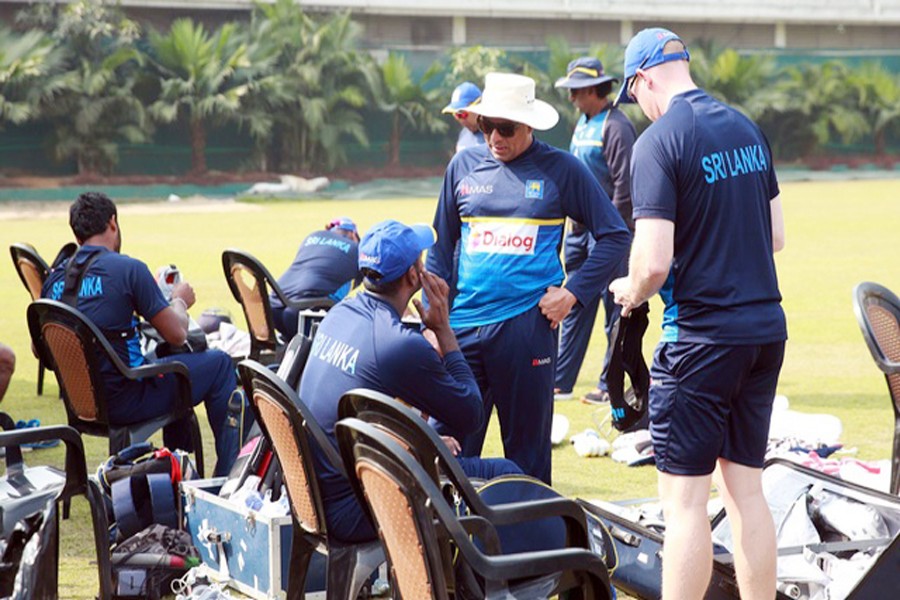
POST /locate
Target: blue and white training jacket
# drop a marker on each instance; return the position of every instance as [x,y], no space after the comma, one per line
[509,220]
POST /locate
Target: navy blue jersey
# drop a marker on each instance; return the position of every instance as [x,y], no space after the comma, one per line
[509,220]
[708,168]
[361,342]
[468,138]
[115,290]
[326,265]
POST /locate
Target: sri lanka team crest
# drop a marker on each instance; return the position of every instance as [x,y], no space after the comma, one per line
[534,189]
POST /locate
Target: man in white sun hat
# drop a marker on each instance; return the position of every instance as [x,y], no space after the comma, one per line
[506,205]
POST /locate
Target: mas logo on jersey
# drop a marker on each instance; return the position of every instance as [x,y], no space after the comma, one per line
[502,238]
[540,362]
[470,189]
[534,189]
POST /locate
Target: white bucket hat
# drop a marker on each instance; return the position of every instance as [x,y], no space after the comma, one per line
[511,97]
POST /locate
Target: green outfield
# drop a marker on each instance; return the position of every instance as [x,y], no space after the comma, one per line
[838,234]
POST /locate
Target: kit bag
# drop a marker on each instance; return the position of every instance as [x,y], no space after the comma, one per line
[141,484]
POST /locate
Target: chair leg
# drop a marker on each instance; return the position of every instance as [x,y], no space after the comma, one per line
[349,568]
[198,445]
[895,459]
[40,378]
[301,554]
[101,539]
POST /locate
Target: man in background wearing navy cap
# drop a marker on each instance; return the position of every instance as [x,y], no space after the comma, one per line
[325,267]
[603,139]
[361,342]
[464,96]
[707,221]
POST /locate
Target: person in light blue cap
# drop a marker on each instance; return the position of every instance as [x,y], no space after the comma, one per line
[466,95]
[602,140]
[707,222]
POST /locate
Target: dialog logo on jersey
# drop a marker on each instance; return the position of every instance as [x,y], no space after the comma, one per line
[502,238]
[534,189]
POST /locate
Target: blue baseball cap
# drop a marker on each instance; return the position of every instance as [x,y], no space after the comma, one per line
[583,72]
[345,223]
[390,248]
[465,95]
[645,50]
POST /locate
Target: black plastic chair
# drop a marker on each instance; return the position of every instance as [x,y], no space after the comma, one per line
[33,272]
[250,282]
[412,432]
[413,517]
[72,346]
[76,483]
[878,313]
[293,433]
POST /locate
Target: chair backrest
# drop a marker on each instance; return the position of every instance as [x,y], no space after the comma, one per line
[66,340]
[32,269]
[249,282]
[878,313]
[294,433]
[409,428]
[396,489]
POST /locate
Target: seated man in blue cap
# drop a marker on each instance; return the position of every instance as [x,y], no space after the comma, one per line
[602,140]
[465,95]
[325,267]
[363,343]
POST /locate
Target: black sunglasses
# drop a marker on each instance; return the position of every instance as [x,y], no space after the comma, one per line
[630,89]
[505,129]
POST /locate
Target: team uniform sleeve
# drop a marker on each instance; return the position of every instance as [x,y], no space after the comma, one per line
[447,225]
[653,181]
[585,201]
[147,297]
[618,144]
[444,389]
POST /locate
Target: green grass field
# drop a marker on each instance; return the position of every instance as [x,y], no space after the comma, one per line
[838,235]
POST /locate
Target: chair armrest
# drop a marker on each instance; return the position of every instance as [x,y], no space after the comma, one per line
[185,400]
[483,530]
[161,368]
[307,303]
[535,564]
[565,508]
[76,470]
[889,367]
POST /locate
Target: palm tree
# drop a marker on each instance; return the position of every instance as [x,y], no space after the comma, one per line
[878,96]
[201,79]
[95,107]
[308,105]
[29,66]
[408,102]
[739,80]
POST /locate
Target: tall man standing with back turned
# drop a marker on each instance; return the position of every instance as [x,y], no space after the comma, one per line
[706,207]
[506,203]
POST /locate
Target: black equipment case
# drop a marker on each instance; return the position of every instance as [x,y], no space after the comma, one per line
[635,561]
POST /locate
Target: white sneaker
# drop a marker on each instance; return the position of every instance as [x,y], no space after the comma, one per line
[559,395]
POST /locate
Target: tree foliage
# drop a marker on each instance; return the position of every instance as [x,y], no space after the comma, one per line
[202,79]
[93,107]
[309,103]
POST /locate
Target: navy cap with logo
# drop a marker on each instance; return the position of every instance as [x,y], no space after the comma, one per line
[646,50]
[390,248]
[583,72]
